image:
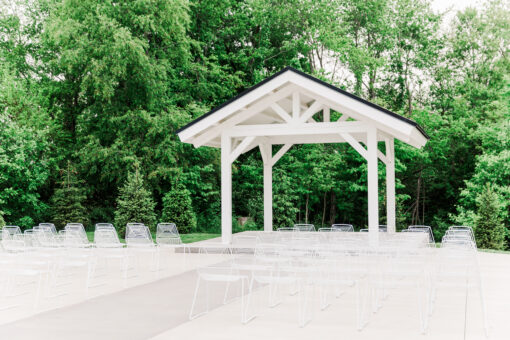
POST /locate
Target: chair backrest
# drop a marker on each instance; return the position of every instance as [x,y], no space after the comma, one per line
[423,228]
[383,228]
[293,229]
[107,226]
[9,231]
[138,234]
[364,230]
[106,238]
[167,234]
[75,234]
[343,227]
[47,227]
[327,230]
[305,227]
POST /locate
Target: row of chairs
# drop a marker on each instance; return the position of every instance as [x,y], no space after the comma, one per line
[74,235]
[330,263]
[47,264]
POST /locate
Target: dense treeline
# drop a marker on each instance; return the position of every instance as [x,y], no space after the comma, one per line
[96,89]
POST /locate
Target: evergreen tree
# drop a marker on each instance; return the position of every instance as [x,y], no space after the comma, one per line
[67,201]
[489,229]
[135,203]
[178,209]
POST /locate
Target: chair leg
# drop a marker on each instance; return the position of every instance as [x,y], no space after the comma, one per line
[191,316]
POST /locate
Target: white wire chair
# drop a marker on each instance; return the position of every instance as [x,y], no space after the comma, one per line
[9,231]
[457,268]
[139,240]
[305,227]
[225,274]
[50,227]
[425,229]
[167,235]
[138,235]
[75,235]
[288,229]
[106,237]
[343,227]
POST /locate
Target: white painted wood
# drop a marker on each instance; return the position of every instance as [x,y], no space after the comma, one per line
[382,157]
[390,185]
[327,114]
[355,144]
[266,157]
[248,121]
[373,202]
[268,188]
[226,190]
[241,147]
[227,110]
[357,109]
[242,116]
[280,153]
[297,129]
[281,112]
[312,110]
[296,105]
[254,144]
[318,138]
[343,118]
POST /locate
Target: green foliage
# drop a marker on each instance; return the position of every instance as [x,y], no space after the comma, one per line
[67,201]
[106,84]
[2,221]
[178,209]
[24,169]
[134,203]
[489,228]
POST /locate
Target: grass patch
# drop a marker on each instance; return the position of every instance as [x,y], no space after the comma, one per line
[186,238]
[495,251]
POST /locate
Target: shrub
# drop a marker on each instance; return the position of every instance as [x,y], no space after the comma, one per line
[135,203]
[67,201]
[489,228]
[178,209]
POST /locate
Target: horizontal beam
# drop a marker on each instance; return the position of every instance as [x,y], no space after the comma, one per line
[318,128]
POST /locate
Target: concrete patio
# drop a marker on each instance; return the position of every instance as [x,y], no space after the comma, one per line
[156,305]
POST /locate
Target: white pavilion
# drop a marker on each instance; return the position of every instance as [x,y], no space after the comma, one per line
[279,112]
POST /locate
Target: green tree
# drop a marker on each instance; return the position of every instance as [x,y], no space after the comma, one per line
[134,203]
[178,209]
[489,228]
[24,171]
[67,201]
[2,221]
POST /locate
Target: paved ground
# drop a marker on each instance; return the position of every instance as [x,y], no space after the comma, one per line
[158,309]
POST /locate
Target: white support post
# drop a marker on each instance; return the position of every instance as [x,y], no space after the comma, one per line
[373,202]
[327,115]
[226,189]
[390,185]
[296,106]
[268,186]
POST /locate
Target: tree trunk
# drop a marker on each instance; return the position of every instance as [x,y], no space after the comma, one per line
[332,207]
[306,209]
[324,208]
